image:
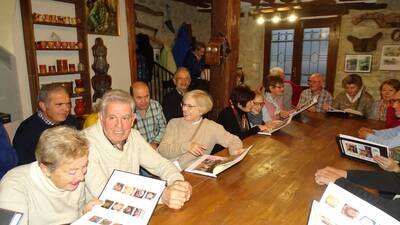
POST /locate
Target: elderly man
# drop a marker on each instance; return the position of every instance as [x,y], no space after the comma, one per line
[316,88]
[292,91]
[54,109]
[389,137]
[172,100]
[150,120]
[113,144]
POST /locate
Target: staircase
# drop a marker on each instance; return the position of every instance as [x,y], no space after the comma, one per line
[161,82]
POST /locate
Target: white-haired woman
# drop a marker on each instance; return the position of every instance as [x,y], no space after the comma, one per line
[50,190]
[191,136]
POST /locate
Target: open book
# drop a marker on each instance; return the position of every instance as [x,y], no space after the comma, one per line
[345,112]
[338,206]
[212,165]
[127,199]
[8,217]
[281,125]
[306,106]
[361,149]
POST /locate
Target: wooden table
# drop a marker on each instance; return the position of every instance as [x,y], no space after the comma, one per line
[274,184]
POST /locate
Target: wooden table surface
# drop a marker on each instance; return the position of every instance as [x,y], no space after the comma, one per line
[274,184]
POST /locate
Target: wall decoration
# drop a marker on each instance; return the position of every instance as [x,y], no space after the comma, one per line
[383,20]
[365,44]
[358,63]
[102,17]
[390,58]
[395,35]
[101,81]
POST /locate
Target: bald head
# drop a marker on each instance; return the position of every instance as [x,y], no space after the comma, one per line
[182,79]
[316,82]
[141,95]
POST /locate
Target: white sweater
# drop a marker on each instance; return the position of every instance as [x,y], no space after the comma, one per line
[104,158]
[27,190]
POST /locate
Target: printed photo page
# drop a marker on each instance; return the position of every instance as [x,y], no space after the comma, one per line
[127,199]
[306,106]
[360,148]
[338,206]
[278,127]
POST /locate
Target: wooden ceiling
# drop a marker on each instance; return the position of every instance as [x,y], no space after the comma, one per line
[320,7]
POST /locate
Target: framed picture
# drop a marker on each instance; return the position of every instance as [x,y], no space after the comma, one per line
[102,17]
[358,63]
[390,58]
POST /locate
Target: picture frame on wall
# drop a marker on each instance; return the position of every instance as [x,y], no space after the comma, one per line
[358,63]
[390,57]
[102,17]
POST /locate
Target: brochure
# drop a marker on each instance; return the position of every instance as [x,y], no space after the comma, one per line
[278,127]
[345,112]
[8,217]
[306,106]
[211,165]
[361,149]
[127,199]
[338,206]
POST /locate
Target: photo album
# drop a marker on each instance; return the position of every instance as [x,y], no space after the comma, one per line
[306,106]
[345,112]
[212,165]
[127,199]
[8,217]
[340,207]
[281,125]
[361,149]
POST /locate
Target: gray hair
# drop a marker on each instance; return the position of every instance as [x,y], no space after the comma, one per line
[116,95]
[59,144]
[202,98]
[276,71]
[47,89]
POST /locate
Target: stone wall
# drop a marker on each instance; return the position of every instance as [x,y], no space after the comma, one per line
[251,49]
[180,12]
[367,28]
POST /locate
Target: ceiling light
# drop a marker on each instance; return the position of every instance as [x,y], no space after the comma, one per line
[292,18]
[260,20]
[276,19]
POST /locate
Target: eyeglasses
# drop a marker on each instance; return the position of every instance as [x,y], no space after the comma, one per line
[258,103]
[188,106]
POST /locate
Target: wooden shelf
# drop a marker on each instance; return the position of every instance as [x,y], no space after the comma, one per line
[57,74]
[56,49]
[66,1]
[57,24]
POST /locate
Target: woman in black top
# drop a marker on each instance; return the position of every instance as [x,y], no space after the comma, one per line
[234,117]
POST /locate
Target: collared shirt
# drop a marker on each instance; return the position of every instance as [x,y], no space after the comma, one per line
[152,127]
[389,137]
[324,98]
[45,120]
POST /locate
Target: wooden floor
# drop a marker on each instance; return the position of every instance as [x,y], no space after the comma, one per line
[274,184]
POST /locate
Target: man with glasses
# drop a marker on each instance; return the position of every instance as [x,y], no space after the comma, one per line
[389,137]
[316,88]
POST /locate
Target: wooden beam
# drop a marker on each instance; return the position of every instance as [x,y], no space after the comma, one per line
[130,21]
[224,20]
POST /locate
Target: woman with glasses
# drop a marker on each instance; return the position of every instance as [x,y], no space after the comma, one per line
[191,136]
[380,108]
[274,106]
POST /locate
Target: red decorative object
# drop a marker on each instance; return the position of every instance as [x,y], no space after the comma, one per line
[59,65]
[71,68]
[42,69]
[52,69]
[79,107]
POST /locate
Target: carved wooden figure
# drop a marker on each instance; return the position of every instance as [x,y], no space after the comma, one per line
[101,81]
[365,44]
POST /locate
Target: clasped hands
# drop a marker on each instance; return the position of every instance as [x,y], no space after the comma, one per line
[175,195]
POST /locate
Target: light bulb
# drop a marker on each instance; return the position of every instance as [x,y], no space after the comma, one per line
[276,19]
[260,20]
[292,18]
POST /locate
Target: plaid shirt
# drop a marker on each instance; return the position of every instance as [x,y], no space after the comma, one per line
[324,98]
[152,127]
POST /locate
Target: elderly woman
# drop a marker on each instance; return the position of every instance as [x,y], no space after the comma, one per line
[354,96]
[274,99]
[234,118]
[387,90]
[191,136]
[50,190]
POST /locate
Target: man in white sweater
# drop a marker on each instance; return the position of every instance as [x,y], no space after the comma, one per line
[113,144]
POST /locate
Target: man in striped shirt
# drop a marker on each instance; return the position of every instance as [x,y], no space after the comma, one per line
[316,88]
[150,120]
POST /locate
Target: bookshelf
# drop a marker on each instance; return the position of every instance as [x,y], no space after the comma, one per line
[35,31]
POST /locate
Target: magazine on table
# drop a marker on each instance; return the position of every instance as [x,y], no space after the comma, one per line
[345,112]
[127,199]
[281,125]
[338,207]
[212,165]
[8,217]
[306,106]
[361,149]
